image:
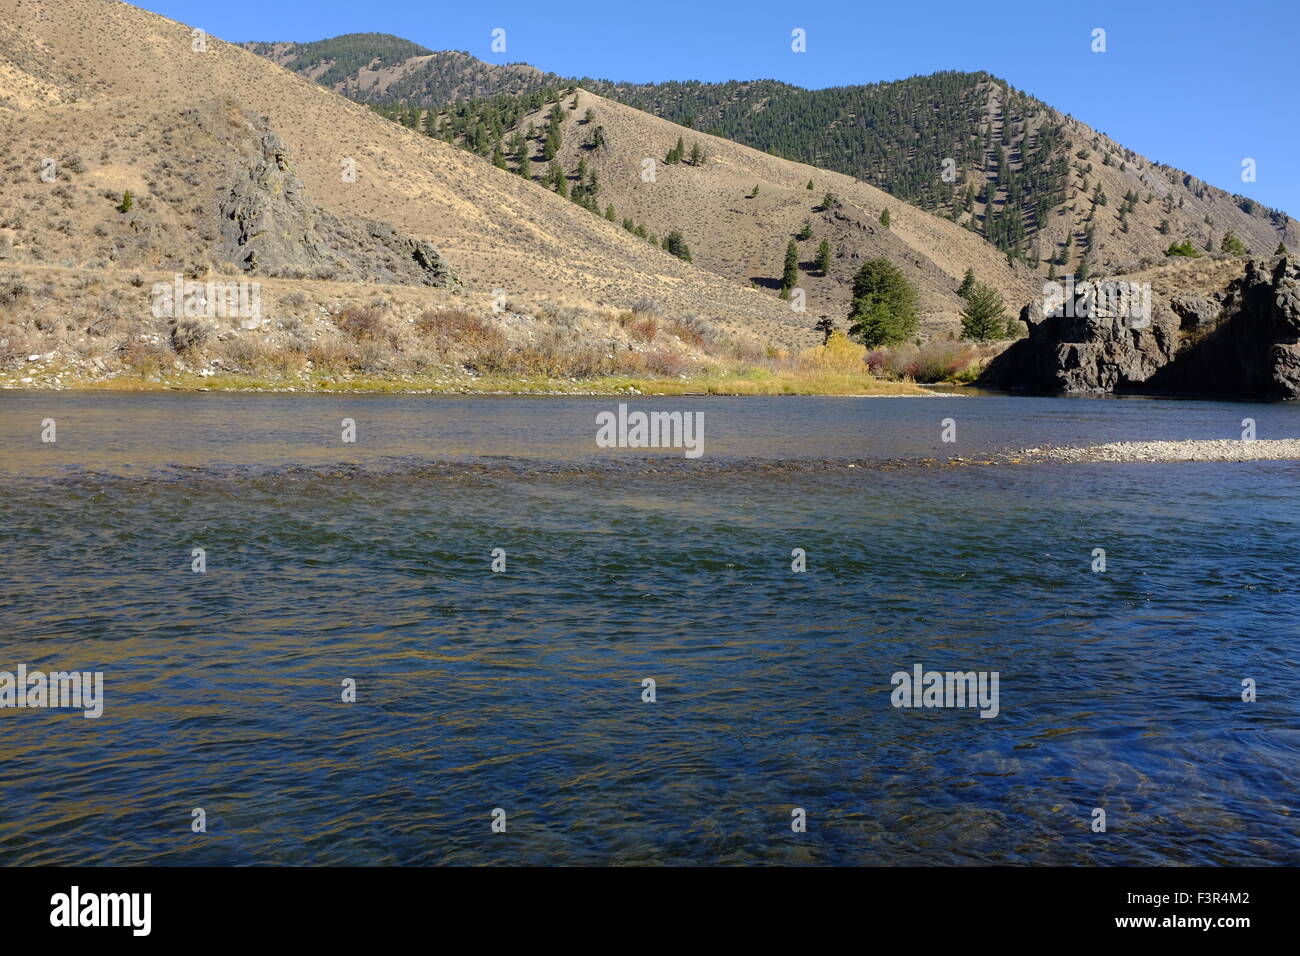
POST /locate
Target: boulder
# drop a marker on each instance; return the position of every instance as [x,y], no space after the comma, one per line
[1245,343]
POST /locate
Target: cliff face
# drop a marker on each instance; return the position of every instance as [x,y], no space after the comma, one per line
[269,226]
[1243,341]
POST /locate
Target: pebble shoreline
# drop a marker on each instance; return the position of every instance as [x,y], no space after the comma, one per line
[1277,449]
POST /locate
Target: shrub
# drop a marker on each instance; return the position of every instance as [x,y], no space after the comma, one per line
[644,330]
[666,362]
[687,334]
[457,327]
[360,324]
[188,335]
[12,288]
[837,355]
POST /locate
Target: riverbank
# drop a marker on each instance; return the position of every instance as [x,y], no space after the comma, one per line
[754,381]
[1207,450]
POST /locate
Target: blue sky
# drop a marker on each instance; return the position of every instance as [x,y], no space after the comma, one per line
[1197,84]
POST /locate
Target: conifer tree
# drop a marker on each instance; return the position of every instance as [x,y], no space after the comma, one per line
[824,257]
[790,274]
[967,283]
[883,310]
[984,317]
[1232,245]
[676,245]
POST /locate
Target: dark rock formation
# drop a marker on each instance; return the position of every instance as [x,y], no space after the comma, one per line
[269,226]
[1247,345]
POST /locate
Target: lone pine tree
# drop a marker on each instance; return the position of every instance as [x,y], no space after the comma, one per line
[790,274]
[883,309]
[985,317]
[824,257]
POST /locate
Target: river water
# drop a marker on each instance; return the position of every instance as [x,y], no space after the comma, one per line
[371,562]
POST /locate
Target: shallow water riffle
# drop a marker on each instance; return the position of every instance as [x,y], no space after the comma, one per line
[523,689]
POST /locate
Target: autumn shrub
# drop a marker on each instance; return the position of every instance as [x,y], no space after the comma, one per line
[361,325]
[452,328]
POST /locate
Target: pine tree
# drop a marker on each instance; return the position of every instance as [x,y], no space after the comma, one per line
[805,233]
[1281,250]
[697,154]
[810,187]
[790,274]
[609,212]
[554,139]
[883,310]
[824,257]
[826,326]
[967,283]
[985,316]
[676,245]
[884,218]
[559,181]
[127,203]
[1232,245]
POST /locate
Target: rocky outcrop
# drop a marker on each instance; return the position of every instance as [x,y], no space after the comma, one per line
[269,226]
[1244,342]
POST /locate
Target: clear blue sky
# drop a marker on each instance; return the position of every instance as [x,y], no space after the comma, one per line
[1198,84]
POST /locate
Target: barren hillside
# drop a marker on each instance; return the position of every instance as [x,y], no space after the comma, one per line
[185,122]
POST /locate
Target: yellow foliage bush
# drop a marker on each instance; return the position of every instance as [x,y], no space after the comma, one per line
[837,355]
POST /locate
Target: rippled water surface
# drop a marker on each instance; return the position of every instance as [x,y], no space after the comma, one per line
[522,690]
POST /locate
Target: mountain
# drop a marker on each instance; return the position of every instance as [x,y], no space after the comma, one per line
[237,166]
[734,209]
[381,68]
[1041,185]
